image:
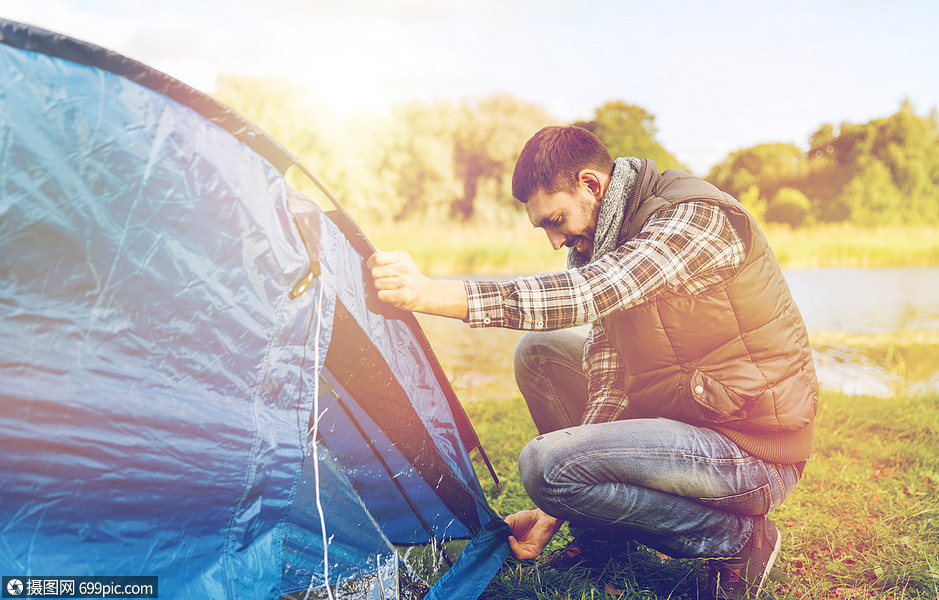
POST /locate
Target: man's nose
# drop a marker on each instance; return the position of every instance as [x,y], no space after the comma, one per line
[557,239]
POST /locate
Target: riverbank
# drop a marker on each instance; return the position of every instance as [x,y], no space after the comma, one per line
[863,522]
[449,248]
[478,362]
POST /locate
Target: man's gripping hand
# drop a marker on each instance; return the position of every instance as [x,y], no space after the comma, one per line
[531,532]
[400,283]
[398,280]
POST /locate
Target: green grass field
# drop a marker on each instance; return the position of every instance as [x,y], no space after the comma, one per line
[863,522]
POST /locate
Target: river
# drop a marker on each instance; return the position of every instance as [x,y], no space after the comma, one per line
[874,332]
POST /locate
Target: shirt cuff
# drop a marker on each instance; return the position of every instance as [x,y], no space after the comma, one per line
[611,408]
[484,299]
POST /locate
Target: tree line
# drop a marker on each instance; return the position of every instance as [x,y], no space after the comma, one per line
[883,172]
[442,160]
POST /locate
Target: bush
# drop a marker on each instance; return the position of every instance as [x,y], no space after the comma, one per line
[789,206]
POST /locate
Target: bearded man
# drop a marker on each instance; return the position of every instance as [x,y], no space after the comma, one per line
[687,412]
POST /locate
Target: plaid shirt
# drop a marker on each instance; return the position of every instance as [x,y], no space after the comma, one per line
[683,249]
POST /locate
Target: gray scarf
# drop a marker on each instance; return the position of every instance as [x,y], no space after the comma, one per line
[613,210]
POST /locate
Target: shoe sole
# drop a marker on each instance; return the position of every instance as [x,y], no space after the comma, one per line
[770,562]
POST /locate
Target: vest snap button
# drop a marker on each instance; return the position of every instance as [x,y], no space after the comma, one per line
[699,389]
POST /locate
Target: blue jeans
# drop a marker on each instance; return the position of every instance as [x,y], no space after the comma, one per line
[686,491]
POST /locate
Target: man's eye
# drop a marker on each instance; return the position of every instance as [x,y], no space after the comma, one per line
[555,222]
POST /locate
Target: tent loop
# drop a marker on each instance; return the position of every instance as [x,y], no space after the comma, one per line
[306,217]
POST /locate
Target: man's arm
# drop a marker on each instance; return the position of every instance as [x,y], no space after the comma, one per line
[677,245]
[400,283]
[684,246]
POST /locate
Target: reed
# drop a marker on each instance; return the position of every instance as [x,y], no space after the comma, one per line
[846,245]
[448,248]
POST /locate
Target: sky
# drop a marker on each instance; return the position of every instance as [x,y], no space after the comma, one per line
[718,76]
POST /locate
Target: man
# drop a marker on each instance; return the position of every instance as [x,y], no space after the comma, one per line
[687,414]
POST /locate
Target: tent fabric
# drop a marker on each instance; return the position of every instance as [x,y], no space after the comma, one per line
[357,550]
[479,562]
[192,383]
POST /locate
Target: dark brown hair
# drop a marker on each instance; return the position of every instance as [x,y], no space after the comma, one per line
[553,157]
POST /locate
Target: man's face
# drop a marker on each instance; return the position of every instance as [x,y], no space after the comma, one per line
[568,218]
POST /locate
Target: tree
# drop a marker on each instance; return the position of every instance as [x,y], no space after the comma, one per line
[754,203]
[872,197]
[444,160]
[824,177]
[767,166]
[489,135]
[897,155]
[908,145]
[416,160]
[628,130]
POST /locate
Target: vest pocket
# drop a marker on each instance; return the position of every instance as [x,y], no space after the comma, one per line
[712,401]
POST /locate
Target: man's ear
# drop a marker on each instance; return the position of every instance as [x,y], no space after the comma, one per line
[590,179]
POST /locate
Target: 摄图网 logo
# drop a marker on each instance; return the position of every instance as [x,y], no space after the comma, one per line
[14,587]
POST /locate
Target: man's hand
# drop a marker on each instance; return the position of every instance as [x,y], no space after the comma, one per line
[400,283]
[531,532]
[398,280]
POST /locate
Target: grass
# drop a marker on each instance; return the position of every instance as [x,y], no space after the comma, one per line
[453,248]
[863,522]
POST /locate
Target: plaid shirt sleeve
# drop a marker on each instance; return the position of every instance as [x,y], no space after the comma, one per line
[606,379]
[686,247]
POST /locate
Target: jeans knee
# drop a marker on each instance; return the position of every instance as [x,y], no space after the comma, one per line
[526,352]
[529,465]
[534,465]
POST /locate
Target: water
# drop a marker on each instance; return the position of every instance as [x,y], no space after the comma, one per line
[874,331]
[867,300]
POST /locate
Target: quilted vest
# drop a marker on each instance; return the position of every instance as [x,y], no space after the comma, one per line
[735,357]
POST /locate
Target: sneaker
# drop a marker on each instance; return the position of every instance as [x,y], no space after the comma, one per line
[588,561]
[743,575]
[575,553]
[591,547]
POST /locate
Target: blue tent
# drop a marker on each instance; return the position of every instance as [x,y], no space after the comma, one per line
[194,383]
